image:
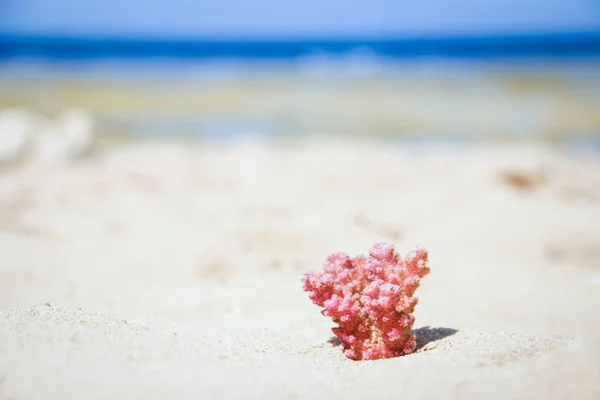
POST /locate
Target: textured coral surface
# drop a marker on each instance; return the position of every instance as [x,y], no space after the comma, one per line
[371,299]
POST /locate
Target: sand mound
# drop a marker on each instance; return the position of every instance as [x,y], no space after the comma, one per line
[48,352]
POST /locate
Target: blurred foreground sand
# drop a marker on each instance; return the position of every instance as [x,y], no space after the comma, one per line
[172,270]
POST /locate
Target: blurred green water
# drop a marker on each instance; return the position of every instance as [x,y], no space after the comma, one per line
[544,103]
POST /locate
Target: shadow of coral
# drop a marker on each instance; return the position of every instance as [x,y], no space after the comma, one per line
[426,335]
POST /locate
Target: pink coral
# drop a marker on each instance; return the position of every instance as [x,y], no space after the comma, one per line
[371,299]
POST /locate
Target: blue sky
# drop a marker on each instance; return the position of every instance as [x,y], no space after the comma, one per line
[285,19]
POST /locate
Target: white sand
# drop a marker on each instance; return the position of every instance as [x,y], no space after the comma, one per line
[172,270]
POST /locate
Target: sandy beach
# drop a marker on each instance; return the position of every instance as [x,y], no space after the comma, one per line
[171,269]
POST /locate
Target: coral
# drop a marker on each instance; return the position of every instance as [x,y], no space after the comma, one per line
[371,299]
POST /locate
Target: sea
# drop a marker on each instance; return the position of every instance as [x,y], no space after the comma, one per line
[534,87]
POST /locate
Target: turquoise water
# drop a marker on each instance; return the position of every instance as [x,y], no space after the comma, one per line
[360,95]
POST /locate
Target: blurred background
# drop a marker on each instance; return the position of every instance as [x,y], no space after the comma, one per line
[447,70]
[103,84]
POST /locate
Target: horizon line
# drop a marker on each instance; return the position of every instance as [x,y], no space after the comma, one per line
[513,44]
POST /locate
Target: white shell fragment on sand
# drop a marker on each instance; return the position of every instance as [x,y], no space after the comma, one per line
[17,127]
[68,137]
[29,136]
